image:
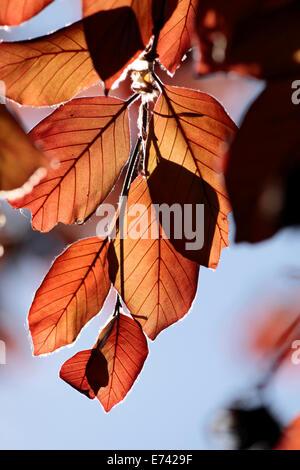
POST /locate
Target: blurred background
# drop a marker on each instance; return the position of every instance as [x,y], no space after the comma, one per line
[195,368]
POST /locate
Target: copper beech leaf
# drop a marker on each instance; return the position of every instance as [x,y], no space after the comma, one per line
[21,164]
[90,138]
[156,282]
[189,138]
[251,54]
[132,22]
[176,37]
[109,370]
[48,70]
[263,168]
[71,294]
[231,36]
[15,12]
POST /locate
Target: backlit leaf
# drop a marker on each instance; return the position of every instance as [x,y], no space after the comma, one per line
[90,138]
[48,70]
[159,283]
[251,54]
[232,37]
[21,163]
[132,23]
[110,369]
[15,12]
[191,131]
[176,37]
[71,294]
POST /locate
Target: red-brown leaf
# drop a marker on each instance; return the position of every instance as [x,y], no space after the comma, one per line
[90,138]
[21,163]
[232,37]
[159,283]
[71,294]
[175,39]
[132,23]
[263,167]
[110,369]
[251,54]
[15,12]
[47,70]
[191,131]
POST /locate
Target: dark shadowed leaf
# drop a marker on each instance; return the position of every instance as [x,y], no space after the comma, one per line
[15,12]
[264,165]
[157,283]
[131,22]
[90,138]
[232,37]
[251,54]
[110,369]
[71,294]
[48,70]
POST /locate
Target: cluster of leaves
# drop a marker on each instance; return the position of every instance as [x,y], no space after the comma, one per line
[186,142]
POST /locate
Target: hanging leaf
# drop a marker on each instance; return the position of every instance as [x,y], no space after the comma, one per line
[15,12]
[176,37]
[48,70]
[156,282]
[189,137]
[71,294]
[21,164]
[132,23]
[110,369]
[90,138]
[264,165]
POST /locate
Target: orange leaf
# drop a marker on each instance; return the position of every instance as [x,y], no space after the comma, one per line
[191,133]
[159,283]
[263,165]
[290,439]
[110,369]
[71,294]
[175,39]
[47,70]
[132,22]
[90,138]
[21,164]
[15,12]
